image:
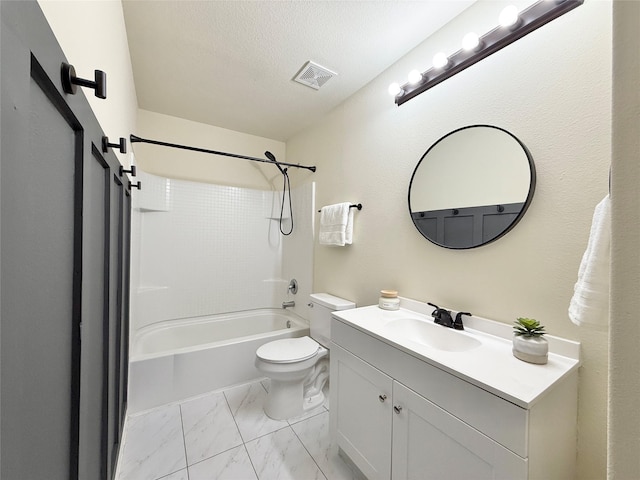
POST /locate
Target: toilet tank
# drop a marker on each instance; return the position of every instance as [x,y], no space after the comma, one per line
[321,306]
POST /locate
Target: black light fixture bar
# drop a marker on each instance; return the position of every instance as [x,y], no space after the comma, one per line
[530,19]
[136,139]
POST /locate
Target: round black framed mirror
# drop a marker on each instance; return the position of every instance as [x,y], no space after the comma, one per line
[471,187]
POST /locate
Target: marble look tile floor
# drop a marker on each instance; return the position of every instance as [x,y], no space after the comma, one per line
[226,436]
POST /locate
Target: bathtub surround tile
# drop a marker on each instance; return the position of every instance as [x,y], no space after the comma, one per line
[314,435]
[281,456]
[154,445]
[233,464]
[249,249]
[246,403]
[208,426]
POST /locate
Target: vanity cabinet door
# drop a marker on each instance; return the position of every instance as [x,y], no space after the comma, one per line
[430,443]
[363,413]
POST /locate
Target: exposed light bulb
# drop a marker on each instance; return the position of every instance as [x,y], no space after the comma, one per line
[470,41]
[394,89]
[509,16]
[440,60]
[414,77]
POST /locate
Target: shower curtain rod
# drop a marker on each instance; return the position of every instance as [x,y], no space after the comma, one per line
[136,139]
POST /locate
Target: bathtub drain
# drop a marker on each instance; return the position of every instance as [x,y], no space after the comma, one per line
[288,323]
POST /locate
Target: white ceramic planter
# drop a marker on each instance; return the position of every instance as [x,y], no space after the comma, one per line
[530,349]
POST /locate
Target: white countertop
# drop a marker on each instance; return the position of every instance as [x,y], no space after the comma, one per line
[490,366]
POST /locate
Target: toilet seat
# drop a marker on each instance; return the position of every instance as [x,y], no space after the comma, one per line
[288,350]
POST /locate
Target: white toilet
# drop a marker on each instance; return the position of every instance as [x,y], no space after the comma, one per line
[299,367]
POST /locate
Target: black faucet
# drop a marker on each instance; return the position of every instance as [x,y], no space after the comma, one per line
[457,324]
[441,316]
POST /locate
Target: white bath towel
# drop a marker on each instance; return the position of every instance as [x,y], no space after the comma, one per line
[590,302]
[336,225]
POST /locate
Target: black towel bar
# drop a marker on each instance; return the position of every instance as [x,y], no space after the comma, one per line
[358,206]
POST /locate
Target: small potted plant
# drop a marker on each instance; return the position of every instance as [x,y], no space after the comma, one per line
[529,345]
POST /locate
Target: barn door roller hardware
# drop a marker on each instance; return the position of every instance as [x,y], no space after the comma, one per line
[132,171]
[70,81]
[122,146]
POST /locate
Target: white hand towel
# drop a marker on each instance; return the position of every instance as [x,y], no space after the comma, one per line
[590,302]
[336,224]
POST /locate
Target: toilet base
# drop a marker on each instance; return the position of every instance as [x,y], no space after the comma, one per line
[313,401]
[289,399]
[284,400]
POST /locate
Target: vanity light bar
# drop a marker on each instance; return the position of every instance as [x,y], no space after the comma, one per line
[530,19]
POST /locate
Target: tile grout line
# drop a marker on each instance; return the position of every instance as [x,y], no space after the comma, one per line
[184,441]
[308,452]
[244,445]
[233,416]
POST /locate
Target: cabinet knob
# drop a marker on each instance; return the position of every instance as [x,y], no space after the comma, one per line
[382,398]
[397,409]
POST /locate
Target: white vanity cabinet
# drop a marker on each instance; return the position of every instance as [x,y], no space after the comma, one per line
[389,431]
[398,417]
[364,399]
[430,443]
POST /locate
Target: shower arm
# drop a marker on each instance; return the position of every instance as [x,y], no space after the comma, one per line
[136,139]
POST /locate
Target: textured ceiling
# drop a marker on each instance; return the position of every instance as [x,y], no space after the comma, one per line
[231,63]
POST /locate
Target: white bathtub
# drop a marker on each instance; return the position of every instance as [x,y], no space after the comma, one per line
[178,359]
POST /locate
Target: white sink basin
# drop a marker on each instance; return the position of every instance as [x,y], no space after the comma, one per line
[431,335]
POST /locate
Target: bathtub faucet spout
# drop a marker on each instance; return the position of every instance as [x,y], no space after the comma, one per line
[290,303]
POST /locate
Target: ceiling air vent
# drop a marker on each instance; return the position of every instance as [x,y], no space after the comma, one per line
[313,75]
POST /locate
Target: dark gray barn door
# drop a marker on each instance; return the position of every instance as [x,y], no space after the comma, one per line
[40,284]
[64,253]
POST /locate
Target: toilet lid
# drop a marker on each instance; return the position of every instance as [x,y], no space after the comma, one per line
[288,350]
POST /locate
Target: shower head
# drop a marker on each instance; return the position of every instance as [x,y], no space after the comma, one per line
[272,157]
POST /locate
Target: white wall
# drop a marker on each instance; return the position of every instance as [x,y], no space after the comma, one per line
[624,381]
[551,89]
[202,167]
[92,35]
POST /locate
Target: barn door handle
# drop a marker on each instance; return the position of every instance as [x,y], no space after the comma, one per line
[122,146]
[70,81]
[132,171]
[135,185]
